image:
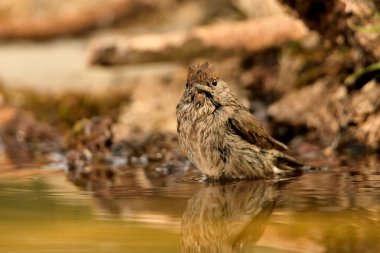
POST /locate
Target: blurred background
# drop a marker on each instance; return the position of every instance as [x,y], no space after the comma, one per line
[307,70]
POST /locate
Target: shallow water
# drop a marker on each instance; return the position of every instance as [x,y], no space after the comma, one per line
[331,211]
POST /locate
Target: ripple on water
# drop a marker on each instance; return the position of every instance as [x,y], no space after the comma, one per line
[328,211]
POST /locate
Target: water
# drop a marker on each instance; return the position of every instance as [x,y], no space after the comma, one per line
[332,211]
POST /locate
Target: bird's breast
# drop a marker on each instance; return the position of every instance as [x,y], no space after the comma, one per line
[202,144]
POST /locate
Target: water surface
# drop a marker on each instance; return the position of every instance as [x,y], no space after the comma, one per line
[331,211]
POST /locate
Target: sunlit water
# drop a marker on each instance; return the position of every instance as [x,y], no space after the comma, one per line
[332,211]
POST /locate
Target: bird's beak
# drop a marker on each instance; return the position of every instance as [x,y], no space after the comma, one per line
[204,89]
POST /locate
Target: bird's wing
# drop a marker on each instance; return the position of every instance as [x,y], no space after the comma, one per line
[250,129]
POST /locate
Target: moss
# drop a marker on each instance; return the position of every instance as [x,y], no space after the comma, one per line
[64,109]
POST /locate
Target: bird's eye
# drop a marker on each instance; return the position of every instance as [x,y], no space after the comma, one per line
[214,82]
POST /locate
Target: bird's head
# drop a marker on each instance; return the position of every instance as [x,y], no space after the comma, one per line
[202,80]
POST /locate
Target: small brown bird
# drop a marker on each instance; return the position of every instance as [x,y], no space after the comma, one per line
[228,217]
[221,137]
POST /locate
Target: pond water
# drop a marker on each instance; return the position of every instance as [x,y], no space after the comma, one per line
[337,210]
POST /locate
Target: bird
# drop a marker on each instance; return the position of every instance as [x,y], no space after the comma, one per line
[228,217]
[221,137]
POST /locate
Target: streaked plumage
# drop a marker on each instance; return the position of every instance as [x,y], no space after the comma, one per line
[220,136]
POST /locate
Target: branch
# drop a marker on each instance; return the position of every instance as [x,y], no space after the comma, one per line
[65,21]
[215,40]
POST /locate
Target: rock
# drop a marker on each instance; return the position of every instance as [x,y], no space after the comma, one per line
[25,137]
[333,113]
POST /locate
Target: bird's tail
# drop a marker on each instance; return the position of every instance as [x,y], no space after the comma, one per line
[287,165]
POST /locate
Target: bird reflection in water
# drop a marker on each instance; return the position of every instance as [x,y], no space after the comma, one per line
[227,218]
